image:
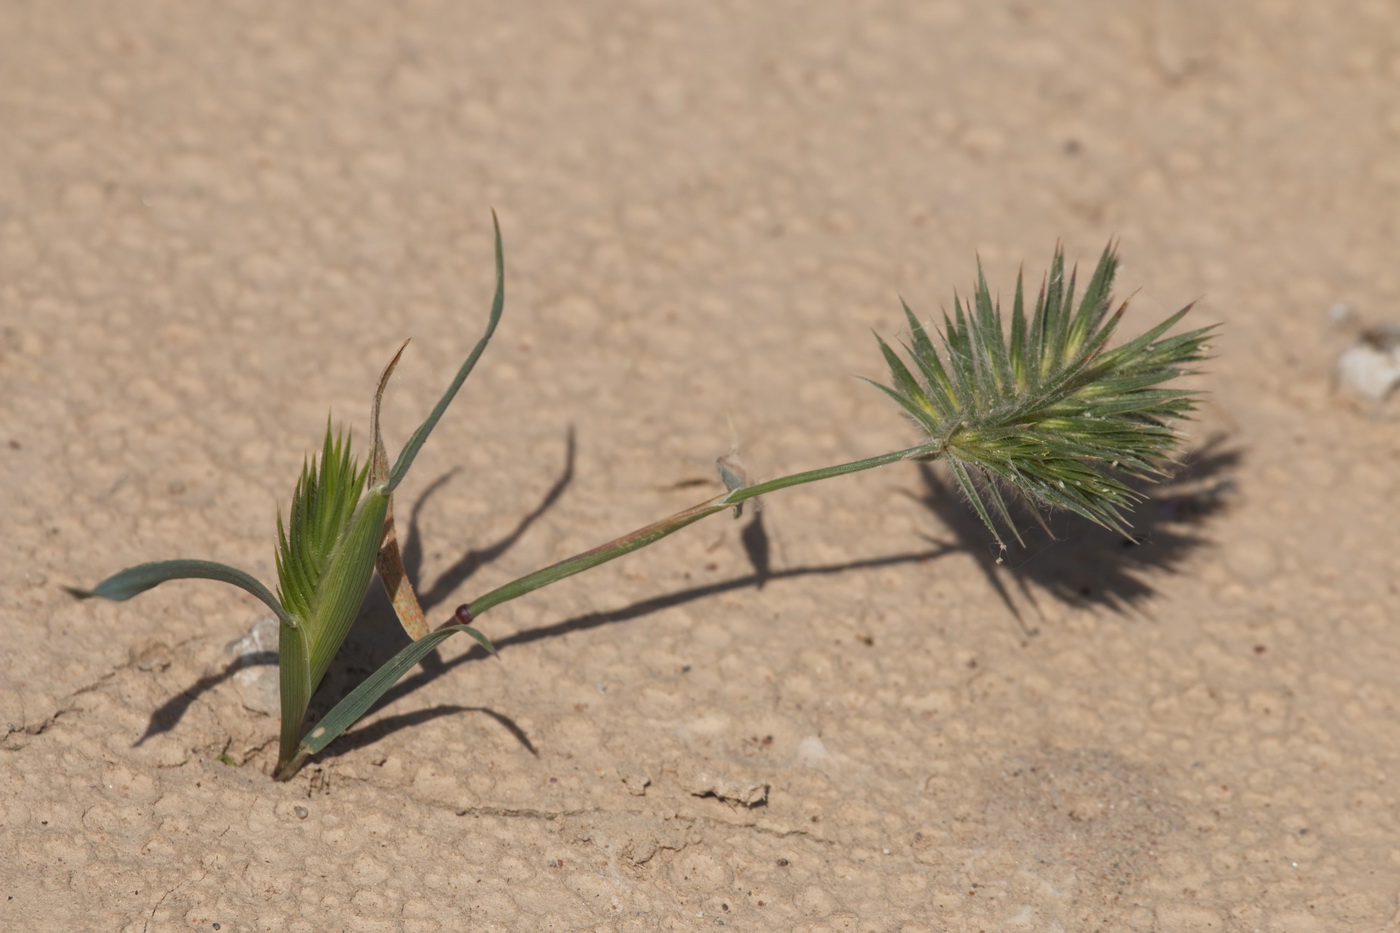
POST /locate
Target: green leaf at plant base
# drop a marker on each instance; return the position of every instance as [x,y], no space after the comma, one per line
[135,580]
[1047,410]
[325,557]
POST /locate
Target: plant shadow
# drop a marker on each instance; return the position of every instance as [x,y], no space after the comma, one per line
[370,733]
[755,542]
[1081,563]
[168,714]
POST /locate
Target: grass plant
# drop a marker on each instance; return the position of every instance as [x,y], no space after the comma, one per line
[1044,410]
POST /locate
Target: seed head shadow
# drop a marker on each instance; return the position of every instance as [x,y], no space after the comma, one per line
[1081,563]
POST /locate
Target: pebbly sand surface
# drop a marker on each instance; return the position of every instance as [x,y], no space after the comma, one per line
[218,221]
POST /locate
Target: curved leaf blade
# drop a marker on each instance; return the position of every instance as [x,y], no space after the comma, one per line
[135,580]
[415,443]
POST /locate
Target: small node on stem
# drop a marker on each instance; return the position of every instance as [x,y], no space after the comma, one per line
[462,615]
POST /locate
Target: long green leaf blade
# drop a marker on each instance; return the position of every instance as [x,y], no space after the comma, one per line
[415,443]
[135,580]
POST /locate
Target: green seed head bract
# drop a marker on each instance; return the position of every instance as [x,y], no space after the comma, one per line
[1047,410]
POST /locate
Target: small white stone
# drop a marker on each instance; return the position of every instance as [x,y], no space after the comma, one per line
[257,678]
[1370,368]
[811,751]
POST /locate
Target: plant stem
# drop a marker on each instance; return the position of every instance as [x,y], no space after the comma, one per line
[923,451]
[654,532]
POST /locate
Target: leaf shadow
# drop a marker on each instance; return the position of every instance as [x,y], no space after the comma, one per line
[1081,563]
[453,577]
[370,733]
[166,716]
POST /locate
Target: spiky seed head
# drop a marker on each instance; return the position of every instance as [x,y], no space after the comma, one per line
[322,506]
[1047,409]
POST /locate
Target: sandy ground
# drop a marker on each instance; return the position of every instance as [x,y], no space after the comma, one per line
[218,221]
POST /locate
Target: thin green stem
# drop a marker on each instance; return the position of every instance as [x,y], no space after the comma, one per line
[811,476]
[350,709]
[654,532]
[595,556]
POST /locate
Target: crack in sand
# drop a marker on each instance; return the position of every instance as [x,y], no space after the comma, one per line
[532,813]
[66,706]
[39,728]
[528,813]
[156,906]
[762,830]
